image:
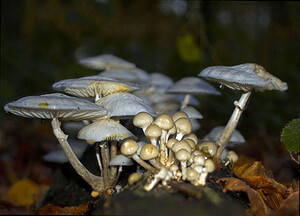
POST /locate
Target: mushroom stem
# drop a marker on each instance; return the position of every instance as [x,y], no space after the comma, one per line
[105,161]
[95,182]
[233,121]
[99,159]
[163,148]
[185,101]
[113,153]
[143,163]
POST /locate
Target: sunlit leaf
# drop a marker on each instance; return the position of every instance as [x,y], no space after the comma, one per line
[290,135]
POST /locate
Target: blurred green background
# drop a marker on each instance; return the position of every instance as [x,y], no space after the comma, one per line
[41,41]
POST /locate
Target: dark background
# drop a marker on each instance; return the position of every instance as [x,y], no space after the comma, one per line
[41,41]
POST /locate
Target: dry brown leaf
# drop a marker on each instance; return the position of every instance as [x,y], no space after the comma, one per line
[290,206]
[50,209]
[257,204]
[254,175]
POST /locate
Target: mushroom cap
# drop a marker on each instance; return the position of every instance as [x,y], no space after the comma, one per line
[191,143]
[124,104]
[90,86]
[120,160]
[216,132]
[164,121]
[104,129]
[192,112]
[119,74]
[191,136]
[153,131]
[209,165]
[105,61]
[160,81]
[246,77]
[183,126]
[142,119]
[192,85]
[134,177]
[183,155]
[208,147]
[141,144]
[191,174]
[142,76]
[173,167]
[57,105]
[181,145]
[179,114]
[148,152]
[232,156]
[171,142]
[199,159]
[129,147]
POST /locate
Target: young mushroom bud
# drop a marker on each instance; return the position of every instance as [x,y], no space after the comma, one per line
[209,167]
[191,136]
[191,143]
[173,168]
[191,174]
[153,132]
[166,123]
[181,145]
[179,114]
[142,120]
[133,178]
[183,156]
[208,149]
[150,152]
[184,126]
[163,174]
[232,157]
[129,149]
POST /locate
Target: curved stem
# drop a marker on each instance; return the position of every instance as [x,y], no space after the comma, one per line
[95,182]
[185,101]
[143,163]
[233,121]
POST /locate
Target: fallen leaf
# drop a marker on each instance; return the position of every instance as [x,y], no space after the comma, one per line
[290,206]
[254,175]
[257,204]
[23,193]
[50,209]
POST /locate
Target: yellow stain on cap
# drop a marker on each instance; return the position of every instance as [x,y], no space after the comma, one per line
[45,104]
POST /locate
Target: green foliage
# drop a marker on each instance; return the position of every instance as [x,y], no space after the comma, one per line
[291,135]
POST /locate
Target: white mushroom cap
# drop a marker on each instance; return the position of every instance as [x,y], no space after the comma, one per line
[91,86]
[160,81]
[199,159]
[104,129]
[124,104]
[120,160]
[105,61]
[148,152]
[192,85]
[216,132]
[192,112]
[120,74]
[55,105]
[246,77]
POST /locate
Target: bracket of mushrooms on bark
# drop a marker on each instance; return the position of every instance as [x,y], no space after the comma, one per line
[162,113]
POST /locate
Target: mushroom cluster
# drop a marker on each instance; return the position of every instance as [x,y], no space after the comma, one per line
[121,94]
[172,151]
